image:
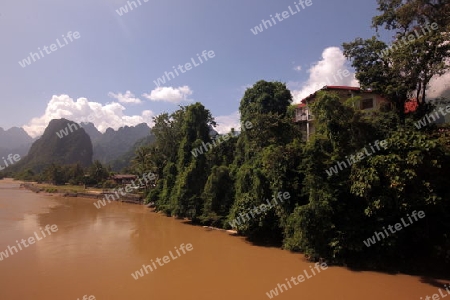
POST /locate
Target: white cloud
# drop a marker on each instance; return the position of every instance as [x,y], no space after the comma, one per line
[439,87]
[128,97]
[331,70]
[169,94]
[82,110]
[225,123]
[298,68]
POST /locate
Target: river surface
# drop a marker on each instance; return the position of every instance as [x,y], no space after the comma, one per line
[95,251]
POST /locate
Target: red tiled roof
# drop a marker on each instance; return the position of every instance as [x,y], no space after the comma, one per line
[342,87]
[335,87]
[410,105]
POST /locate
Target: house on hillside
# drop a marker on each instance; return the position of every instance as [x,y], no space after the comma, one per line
[369,102]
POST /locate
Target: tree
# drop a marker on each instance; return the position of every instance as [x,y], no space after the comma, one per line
[75,174]
[324,226]
[385,75]
[395,183]
[192,171]
[407,66]
[97,172]
[54,174]
[423,57]
[164,154]
[218,196]
[265,106]
[142,160]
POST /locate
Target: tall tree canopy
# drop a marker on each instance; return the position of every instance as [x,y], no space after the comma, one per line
[420,50]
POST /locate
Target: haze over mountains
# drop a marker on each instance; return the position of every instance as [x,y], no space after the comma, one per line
[82,145]
[14,141]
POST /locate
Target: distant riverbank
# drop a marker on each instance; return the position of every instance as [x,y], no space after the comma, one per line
[70,192]
[93,194]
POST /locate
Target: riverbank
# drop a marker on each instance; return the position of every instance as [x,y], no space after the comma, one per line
[94,194]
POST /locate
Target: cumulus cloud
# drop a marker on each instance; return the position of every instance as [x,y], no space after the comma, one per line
[298,68]
[128,97]
[82,110]
[439,87]
[330,70]
[169,94]
[226,122]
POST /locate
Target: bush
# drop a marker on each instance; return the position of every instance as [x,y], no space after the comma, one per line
[109,184]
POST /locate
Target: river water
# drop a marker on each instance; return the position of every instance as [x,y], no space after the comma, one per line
[95,251]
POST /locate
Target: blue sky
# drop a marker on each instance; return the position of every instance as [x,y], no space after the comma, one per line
[115,54]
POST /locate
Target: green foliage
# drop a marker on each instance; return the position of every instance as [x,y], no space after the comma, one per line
[192,171]
[406,67]
[97,173]
[218,196]
[261,153]
[109,184]
[326,217]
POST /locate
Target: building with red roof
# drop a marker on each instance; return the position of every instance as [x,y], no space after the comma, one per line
[369,102]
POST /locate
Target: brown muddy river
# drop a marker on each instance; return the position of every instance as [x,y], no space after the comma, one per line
[93,252]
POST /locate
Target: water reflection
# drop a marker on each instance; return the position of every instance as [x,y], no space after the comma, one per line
[95,251]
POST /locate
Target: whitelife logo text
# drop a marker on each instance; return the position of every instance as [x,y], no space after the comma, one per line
[187,66]
[12,159]
[354,158]
[398,227]
[53,47]
[31,240]
[280,17]
[124,9]
[219,139]
[166,259]
[128,189]
[300,278]
[235,223]
[411,38]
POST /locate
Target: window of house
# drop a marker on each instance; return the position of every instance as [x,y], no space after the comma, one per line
[367,103]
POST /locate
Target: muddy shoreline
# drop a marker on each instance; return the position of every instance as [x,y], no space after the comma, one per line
[90,195]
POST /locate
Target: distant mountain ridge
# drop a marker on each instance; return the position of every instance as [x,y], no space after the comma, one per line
[74,148]
[14,137]
[114,147]
[113,144]
[14,141]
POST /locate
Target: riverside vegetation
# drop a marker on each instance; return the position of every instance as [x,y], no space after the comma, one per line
[326,217]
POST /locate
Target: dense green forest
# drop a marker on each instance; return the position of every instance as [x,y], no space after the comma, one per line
[325,216]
